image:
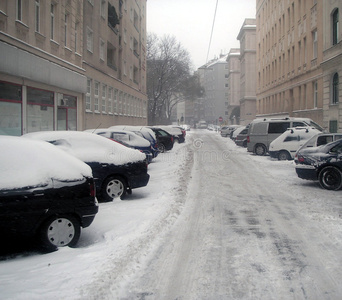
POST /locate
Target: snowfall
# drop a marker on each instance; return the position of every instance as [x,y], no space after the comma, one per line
[214,222]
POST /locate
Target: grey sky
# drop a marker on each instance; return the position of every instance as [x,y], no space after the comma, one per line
[190,21]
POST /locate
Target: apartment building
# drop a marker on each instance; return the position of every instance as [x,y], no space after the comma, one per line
[115,62]
[247,38]
[63,63]
[233,98]
[214,78]
[289,58]
[332,66]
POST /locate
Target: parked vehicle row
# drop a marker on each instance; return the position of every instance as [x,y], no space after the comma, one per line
[317,155]
[51,181]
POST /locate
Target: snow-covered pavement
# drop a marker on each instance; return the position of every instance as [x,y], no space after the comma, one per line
[214,222]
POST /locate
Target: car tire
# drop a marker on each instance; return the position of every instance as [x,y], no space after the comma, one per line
[113,187]
[284,155]
[330,178]
[59,231]
[260,150]
[161,147]
[244,144]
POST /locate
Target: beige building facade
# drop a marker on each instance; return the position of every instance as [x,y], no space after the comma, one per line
[332,66]
[247,38]
[289,59]
[233,97]
[56,69]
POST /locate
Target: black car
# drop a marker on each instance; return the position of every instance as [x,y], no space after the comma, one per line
[323,163]
[164,139]
[46,195]
[116,169]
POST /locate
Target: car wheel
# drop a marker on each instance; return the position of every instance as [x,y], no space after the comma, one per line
[113,187]
[284,155]
[244,144]
[330,178]
[161,148]
[59,231]
[260,149]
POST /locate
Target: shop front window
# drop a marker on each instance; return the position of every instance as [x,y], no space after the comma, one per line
[40,110]
[67,113]
[10,109]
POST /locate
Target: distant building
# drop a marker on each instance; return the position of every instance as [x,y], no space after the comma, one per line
[214,79]
[247,38]
[71,64]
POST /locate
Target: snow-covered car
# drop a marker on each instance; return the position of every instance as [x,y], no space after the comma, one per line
[177,133]
[142,131]
[285,146]
[228,129]
[323,163]
[241,138]
[236,132]
[164,139]
[126,138]
[116,169]
[186,127]
[321,139]
[46,195]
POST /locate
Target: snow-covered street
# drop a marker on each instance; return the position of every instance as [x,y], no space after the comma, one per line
[214,222]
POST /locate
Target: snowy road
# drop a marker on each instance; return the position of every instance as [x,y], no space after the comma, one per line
[242,235]
[214,223]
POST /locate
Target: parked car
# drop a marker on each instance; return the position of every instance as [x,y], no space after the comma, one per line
[177,133]
[322,139]
[128,139]
[164,139]
[226,130]
[46,195]
[144,132]
[116,169]
[236,131]
[262,132]
[202,124]
[323,163]
[241,138]
[284,147]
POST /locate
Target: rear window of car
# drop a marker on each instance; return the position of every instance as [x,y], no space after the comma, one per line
[278,127]
[325,139]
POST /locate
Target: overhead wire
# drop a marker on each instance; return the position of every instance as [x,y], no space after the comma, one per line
[212,30]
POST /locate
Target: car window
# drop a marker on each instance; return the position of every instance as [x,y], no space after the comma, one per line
[298,124]
[338,137]
[325,139]
[258,128]
[292,137]
[278,127]
[122,137]
[244,131]
[337,149]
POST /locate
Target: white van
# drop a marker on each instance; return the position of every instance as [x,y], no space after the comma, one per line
[262,132]
[284,147]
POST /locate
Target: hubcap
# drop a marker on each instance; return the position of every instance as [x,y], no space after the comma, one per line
[115,188]
[61,232]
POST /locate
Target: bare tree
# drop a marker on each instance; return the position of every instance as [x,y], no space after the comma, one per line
[168,68]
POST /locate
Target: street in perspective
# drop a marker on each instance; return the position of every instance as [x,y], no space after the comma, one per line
[215,222]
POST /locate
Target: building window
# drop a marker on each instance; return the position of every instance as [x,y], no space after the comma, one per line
[315,94]
[88,95]
[10,109]
[19,10]
[40,110]
[115,101]
[67,113]
[335,88]
[314,44]
[135,75]
[52,20]
[135,21]
[110,100]
[104,96]
[113,18]
[333,126]
[102,50]
[90,42]
[76,36]
[65,30]
[37,16]
[111,52]
[335,24]
[96,96]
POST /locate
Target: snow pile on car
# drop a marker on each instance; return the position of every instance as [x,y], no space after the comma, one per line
[26,163]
